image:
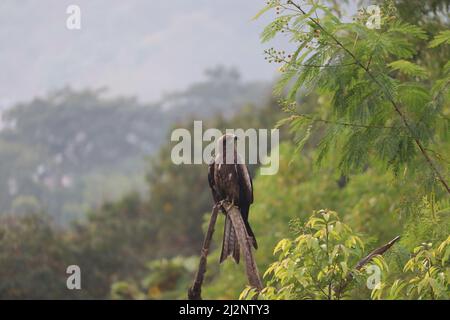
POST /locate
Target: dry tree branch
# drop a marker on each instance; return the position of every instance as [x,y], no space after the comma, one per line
[377,252]
[195,291]
[241,232]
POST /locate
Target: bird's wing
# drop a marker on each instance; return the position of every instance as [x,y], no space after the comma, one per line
[211,174]
[245,182]
[246,198]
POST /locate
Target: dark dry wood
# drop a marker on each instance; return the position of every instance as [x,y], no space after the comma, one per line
[377,252]
[246,245]
[195,291]
[254,279]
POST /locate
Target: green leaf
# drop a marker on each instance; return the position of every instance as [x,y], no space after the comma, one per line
[408,29]
[409,68]
[282,122]
[282,245]
[271,5]
[442,37]
[271,30]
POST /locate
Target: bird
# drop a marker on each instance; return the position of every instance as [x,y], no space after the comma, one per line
[231,182]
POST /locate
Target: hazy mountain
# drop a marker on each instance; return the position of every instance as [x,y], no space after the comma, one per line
[73,149]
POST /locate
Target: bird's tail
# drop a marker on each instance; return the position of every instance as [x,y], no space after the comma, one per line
[230,244]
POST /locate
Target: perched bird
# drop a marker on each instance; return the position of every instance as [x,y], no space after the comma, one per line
[230,181]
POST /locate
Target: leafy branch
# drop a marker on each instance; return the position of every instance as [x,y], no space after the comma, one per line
[338,123]
[386,93]
[377,252]
[329,47]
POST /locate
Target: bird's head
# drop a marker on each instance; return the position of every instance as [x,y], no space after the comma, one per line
[227,142]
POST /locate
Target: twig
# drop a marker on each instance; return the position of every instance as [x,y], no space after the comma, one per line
[278,59]
[346,124]
[377,252]
[195,291]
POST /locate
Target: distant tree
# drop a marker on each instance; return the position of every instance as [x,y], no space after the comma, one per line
[65,147]
[33,259]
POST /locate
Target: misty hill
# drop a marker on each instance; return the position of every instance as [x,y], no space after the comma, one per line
[75,149]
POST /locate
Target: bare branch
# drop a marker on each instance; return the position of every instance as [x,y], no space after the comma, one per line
[195,291]
[244,242]
[377,252]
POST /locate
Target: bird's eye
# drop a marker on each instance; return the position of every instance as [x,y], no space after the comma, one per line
[235,138]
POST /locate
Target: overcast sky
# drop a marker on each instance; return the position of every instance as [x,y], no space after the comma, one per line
[133,47]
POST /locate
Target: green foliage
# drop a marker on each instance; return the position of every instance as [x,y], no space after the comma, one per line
[33,259]
[378,109]
[442,38]
[123,290]
[340,114]
[111,243]
[166,279]
[426,275]
[383,103]
[316,263]
[429,223]
[372,203]
[114,241]
[408,68]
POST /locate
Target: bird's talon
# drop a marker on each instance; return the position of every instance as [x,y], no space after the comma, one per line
[231,205]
